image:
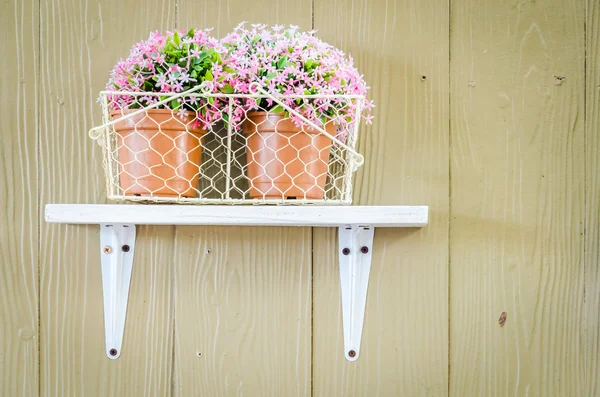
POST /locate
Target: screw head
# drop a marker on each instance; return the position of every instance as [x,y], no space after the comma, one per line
[125,248]
[346,251]
[113,352]
[107,249]
[351,353]
[364,249]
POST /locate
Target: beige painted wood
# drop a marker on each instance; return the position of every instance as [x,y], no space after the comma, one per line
[230,311]
[402,48]
[81,41]
[592,201]
[245,307]
[517,183]
[242,311]
[19,217]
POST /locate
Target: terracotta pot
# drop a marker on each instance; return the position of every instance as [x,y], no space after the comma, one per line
[285,161]
[157,156]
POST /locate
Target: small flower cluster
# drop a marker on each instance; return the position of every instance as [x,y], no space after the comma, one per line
[286,62]
[283,61]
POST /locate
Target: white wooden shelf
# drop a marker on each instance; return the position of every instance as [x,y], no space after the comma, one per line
[356,226]
[325,216]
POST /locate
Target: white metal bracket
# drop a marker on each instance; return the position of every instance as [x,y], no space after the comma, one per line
[117,244]
[355,251]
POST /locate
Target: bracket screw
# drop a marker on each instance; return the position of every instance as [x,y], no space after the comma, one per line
[364,249]
[352,353]
[125,248]
[113,352]
[346,251]
[107,249]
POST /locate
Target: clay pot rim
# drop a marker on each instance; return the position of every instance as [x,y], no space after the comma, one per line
[201,130]
[127,111]
[266,114]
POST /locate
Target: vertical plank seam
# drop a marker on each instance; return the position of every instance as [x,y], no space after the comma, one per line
[449,187]
[173,281]
[173,307]
[37,62]
[312,270]
[312,16]
[312,310]
[585,220]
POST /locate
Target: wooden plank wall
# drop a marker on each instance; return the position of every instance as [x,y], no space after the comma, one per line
[592,200]
[19,216]
[487,111]
[517,192]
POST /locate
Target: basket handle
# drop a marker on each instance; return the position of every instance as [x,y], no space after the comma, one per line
[96,132]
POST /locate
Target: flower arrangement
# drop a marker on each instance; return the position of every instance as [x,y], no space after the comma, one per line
[308,83]
[168,64]
[284,61]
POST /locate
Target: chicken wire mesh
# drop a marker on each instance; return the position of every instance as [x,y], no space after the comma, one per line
[229,148]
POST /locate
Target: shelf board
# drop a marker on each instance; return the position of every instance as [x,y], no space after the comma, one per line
[323,216]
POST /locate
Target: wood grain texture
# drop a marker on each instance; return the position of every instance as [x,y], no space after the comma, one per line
[402,48]
[242,311]
[592,201]
[246,307]
[19,216]
[517,183]
[81,41]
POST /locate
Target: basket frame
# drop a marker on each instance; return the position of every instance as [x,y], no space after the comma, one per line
[352,158]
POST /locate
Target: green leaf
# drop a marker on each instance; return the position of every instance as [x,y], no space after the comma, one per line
[255,40]
[174,104]
[176,39]
[227,89]
[211,100]
[277,109]
[271,75]
[194,73]
[311,64]
[208,76]
[203,55]
[282,62]
[190,33]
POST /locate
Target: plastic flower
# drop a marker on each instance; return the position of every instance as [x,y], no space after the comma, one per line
[171,63]
[288,63]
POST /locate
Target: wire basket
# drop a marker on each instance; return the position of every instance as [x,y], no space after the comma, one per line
[229,148]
